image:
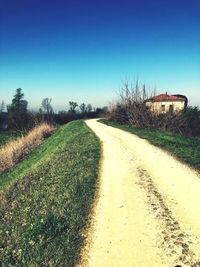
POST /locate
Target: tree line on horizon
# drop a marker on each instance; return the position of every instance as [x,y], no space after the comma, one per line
[16,116]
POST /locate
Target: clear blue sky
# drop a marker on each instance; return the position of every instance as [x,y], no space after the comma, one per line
[81,49]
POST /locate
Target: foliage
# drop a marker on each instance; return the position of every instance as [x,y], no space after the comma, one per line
[46,199]
[131,110]
[17,111]
[72,106]
[19,118]
[83,108]
[8,136]
[185,148]
[191,119]
[89,108]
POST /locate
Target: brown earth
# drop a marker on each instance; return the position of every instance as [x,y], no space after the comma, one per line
[148,208]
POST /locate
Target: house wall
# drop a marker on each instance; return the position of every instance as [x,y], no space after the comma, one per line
[157,107]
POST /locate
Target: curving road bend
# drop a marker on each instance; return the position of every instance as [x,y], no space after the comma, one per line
[148,209]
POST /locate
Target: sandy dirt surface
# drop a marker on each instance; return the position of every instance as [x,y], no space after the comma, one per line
[148,209]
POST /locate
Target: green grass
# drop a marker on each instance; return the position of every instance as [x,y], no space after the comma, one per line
[7,136]
[184,148]
[45,200]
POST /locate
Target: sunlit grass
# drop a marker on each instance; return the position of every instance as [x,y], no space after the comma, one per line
[46,200]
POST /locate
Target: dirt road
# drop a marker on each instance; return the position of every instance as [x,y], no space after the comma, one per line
[148,209]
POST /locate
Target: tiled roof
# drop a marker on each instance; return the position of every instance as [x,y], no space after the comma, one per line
[165,97]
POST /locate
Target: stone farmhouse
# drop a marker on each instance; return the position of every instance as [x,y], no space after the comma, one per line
[164,103]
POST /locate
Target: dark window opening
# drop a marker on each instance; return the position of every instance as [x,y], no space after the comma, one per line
[171,108]
[163,108]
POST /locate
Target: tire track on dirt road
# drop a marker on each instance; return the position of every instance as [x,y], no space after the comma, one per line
[147,212]
[172,239]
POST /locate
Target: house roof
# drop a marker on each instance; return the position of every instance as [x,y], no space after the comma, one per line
[165,97]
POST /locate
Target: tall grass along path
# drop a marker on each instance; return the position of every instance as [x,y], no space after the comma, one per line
[16,150]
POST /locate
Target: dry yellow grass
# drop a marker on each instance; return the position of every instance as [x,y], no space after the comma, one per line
[16,150]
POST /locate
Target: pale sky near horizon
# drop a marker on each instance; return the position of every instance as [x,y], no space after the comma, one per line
[82,50]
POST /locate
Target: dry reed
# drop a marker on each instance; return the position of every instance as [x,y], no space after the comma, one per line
[16,150]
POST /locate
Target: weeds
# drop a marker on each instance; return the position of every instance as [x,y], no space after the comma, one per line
[14,151]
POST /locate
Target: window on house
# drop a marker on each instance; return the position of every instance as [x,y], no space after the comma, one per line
[163,108]
[171,108]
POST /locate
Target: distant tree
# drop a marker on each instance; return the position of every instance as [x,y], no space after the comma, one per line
[72,106]
[17,111]
[83,108]
[105,109]
[2,106]
[47,109]
[46,105]
[40,111]
[89,108]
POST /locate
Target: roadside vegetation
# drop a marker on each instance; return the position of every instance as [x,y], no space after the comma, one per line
[131,109]
[46,200]
[184,148]
[16,150]
[177,132]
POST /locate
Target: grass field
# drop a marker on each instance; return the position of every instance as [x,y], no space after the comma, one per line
[7,136]
[184,148]
[46,199]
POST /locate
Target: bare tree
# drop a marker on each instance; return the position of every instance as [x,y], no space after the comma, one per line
[72,106]
[47,109]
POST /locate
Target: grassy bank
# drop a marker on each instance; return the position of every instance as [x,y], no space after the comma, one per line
[184,148]
[45,200]
[16,150]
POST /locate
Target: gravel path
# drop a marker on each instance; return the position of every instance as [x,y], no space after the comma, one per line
[148,209]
